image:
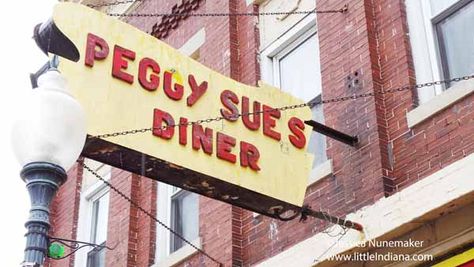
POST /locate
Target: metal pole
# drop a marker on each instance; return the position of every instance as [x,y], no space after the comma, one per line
[336,220]
[42,181]
[333,133]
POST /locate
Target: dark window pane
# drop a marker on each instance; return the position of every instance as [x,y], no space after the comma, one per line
[456,39]
[96,257]
[100,214]
[317,141]
[184,218]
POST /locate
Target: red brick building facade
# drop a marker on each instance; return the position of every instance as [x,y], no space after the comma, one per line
[410,175]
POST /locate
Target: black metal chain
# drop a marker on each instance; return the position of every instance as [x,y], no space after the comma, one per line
[284,108]
[238,14]
[125,133]
[116,3]
[395,90]
[149,214]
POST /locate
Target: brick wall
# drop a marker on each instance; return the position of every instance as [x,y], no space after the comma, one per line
[394,68]
[146,226]
[122,232]
[65,212]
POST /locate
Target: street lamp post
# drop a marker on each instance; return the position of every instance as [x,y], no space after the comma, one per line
[47,139]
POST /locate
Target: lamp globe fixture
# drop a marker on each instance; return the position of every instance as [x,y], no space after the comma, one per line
[47,137]
[52,128]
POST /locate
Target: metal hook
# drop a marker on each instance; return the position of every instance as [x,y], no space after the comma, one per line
[285,219]
[54,62]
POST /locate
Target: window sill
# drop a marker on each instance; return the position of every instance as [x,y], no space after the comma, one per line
[179,255]
[440,102]
[320,172]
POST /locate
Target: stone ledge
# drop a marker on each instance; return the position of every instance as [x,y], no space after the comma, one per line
[440,102]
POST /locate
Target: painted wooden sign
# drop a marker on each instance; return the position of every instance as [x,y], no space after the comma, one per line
[126,79]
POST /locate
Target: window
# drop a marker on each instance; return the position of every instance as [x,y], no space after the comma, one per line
[93,216]
[179,209]
[281,66]
[456,40]
[100,213]
[184,217]
[304,83]
[441,40]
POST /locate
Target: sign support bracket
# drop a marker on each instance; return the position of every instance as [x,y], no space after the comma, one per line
[333,133]
[306,212]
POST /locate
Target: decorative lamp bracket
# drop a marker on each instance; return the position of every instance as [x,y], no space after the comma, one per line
[73,245]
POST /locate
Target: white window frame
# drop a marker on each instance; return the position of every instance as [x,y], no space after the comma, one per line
[86,208]
[164,257]
[177,193]
[427,61]
[307,26]
[425,44]
[269,63]
[283,52]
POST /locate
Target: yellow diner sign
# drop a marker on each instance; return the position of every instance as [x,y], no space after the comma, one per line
[251,155]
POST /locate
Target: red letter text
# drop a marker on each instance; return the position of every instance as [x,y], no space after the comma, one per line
[178,91]
[154,81]
[255,124]
[196,90]
[229,99]
[94,41]
[183,131]
[269,116]
[202,139]
[225,144]
[296,127]
[249,156]
[120,64]
[159,129]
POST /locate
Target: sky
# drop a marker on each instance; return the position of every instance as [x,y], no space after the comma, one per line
[20,56]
